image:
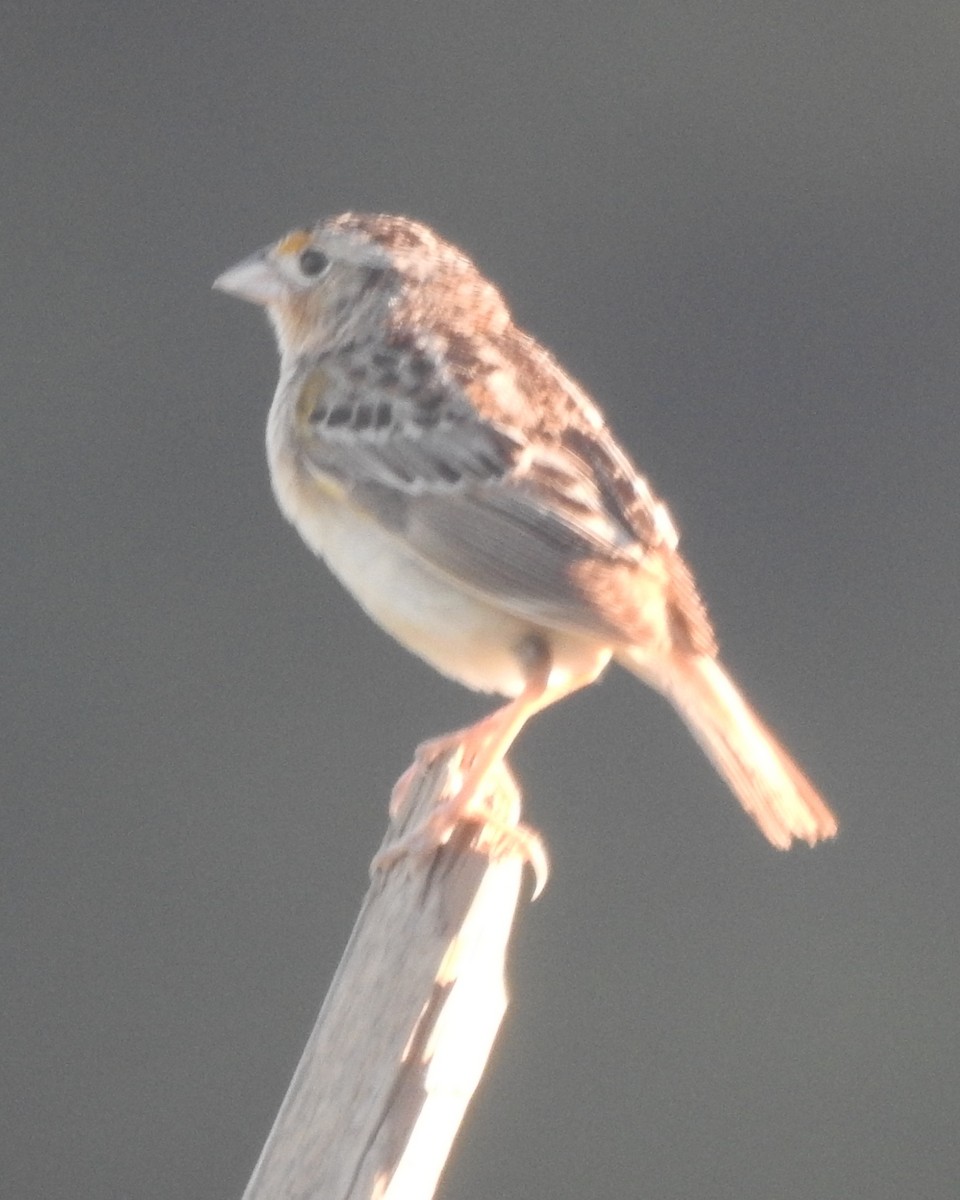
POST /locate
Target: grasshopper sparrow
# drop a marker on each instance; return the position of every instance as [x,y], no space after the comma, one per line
[469,494]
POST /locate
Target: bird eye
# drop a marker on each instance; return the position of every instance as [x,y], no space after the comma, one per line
[313,262]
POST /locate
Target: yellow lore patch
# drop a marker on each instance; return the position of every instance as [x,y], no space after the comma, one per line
[294,242]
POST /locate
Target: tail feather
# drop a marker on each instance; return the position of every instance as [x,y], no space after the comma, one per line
[762,775]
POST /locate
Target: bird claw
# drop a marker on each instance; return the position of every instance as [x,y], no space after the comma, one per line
[424,757]
[517,841]
[499,834]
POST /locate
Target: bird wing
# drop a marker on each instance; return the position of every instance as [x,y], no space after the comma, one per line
[547,519]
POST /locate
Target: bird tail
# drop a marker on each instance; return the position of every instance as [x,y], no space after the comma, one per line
[761,774]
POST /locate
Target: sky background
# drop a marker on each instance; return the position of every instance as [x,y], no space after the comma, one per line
[737,224]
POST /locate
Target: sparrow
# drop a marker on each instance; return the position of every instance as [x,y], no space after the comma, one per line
[471,496]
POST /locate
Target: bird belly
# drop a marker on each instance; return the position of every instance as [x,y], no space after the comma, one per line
[459,633]
[460,636]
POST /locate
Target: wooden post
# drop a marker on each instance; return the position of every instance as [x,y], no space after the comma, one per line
[407,1025]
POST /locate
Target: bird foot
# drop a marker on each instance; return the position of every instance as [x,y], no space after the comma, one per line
[462,744]
[494,813]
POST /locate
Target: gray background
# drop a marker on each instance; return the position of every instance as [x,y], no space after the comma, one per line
[738,224]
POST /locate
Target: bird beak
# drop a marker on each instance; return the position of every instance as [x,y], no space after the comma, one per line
[255,279]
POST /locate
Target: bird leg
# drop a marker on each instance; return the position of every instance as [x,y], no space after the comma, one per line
[481,745]
[479,790]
